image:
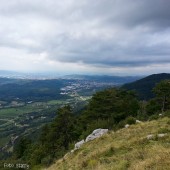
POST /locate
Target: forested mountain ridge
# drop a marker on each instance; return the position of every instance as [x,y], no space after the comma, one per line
[144,86]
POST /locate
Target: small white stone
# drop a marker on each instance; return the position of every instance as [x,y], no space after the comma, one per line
[79,144]
[72,151]
[126,126]
[138,121]
[150,137]
[162,135]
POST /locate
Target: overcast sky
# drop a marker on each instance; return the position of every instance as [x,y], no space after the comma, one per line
[126,37]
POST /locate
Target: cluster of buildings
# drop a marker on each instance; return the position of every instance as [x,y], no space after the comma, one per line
[75,87]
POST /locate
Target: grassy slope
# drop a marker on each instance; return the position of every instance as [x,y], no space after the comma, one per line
[124,149]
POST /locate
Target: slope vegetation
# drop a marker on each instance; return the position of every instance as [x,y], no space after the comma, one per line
[127,148]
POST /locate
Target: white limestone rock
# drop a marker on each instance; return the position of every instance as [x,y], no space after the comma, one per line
[162,135]
[96,134]
[72,150]
[138,121]
[149,137]
[127,125]
[79,144]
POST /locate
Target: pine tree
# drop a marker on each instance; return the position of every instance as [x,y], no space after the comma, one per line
[162,91]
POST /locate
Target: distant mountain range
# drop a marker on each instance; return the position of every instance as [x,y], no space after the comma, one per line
[104,78]
[119,80]
[144,86]
[22,75]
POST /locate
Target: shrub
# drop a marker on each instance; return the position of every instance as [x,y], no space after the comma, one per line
[130,120]
[154,117]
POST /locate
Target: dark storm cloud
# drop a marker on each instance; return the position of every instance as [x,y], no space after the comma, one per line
[151,13]
[142,25]
[123,33]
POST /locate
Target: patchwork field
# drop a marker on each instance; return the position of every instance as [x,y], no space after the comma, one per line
[14,120]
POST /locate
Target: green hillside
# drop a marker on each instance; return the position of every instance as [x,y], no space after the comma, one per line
[124,149]
[144,86]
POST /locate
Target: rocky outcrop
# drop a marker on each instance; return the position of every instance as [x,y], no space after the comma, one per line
[96,134]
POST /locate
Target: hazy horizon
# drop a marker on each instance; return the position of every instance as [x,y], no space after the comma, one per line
[104,37]
[53,73]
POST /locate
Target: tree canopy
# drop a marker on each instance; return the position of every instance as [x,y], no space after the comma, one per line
[162,91]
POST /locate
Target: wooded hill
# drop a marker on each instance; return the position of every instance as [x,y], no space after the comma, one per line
[144,86]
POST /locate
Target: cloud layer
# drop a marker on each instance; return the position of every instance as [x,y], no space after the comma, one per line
[86,34]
